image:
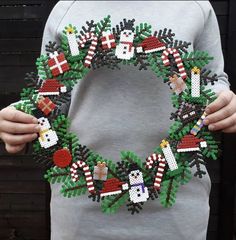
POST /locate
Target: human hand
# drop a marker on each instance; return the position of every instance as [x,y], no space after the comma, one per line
[17,129]
[222,113]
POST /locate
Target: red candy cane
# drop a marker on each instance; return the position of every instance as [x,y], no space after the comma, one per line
[150,160]
[87,37]
[178,60]
[161,167]
[87,173]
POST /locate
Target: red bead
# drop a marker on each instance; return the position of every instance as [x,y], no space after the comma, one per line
[62,158]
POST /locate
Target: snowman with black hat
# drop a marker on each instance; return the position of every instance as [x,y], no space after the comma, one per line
[125,48]
[138,192]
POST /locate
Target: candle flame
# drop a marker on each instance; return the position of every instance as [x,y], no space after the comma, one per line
[70,30]
[196,70]
[164,143]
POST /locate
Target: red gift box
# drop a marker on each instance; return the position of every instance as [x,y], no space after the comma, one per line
[46,105]
[108,41]
[58,64]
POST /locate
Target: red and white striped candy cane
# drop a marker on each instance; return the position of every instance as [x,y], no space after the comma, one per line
[161,167]
[87,173]
[87,37]
[150,160]
[178,60]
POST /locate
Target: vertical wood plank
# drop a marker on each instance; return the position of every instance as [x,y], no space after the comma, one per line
[19,218]
[227,187]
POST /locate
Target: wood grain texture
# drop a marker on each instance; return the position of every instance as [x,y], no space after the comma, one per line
[227,214]
[24,196]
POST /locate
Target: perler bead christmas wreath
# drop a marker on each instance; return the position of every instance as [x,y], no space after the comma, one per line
[132,181]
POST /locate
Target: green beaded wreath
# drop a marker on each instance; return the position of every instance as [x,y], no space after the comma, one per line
[132,181]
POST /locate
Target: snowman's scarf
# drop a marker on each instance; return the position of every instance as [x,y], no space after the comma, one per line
[139,184]
[129,43]
[41,134]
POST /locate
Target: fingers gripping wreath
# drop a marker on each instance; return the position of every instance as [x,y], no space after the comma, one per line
[132,181]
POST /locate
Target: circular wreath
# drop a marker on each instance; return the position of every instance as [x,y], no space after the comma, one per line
[132,181]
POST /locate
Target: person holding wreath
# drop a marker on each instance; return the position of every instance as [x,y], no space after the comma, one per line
[129,109]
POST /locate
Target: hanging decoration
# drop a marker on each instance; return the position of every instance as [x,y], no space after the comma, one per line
[132,181]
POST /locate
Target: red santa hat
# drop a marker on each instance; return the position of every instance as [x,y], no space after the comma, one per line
[51,87]
[151,44]
[190,143]
[111,187]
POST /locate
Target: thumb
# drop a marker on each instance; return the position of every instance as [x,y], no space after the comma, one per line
[14,148]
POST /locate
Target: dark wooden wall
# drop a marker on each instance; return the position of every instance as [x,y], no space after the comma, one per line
[24,195]
[24,204]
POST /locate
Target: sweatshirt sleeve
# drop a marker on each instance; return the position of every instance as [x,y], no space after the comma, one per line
[51,30]
[53,22]
[51,33]
[209,40]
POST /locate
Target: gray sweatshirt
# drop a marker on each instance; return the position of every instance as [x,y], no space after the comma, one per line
[128,109]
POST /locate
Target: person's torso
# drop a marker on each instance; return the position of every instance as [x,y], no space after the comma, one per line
[128,109]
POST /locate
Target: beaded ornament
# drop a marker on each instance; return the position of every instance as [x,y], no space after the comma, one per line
[132,181]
